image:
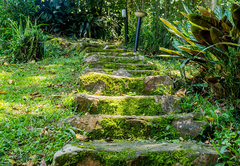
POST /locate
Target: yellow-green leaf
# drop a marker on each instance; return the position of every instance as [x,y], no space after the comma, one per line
[171,56]
[170,51]
[175,30]
[192,51]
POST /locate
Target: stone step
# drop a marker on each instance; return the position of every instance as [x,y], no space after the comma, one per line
[110,85]
[141,127]
[128,105]
[127,66]
[107,59]
[123,72]
[135,153]
[94,49]
[126,54]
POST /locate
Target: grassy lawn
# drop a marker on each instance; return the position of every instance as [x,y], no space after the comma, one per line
[27,121]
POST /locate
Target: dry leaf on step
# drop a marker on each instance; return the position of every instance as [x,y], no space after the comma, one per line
[51,71]
[181,92]
[34,93]
[3,92]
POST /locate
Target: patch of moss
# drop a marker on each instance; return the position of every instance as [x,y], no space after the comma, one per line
[112,47]
[146,73]
[119,60]
[120,158]
[114,86]
[93,49]
[123,65]
[121,128]
[129,106]
[66,160]
[168,158]
[110,72]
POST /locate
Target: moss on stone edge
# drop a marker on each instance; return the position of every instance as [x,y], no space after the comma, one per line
[114,86]
[119,60]
[129,106]
[93,49]
[111,158]
[122,65]
[121,128]
[128,54]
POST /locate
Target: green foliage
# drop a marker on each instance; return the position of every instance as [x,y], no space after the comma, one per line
[26,42]
[17,10]
[212,43]
[93,18]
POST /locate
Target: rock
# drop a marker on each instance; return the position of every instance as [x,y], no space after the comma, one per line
[115,85]
[86,103]
[188,126]
[122,72]
[69,155]
[169,104]
[121,104]
[92,59]
[95,87]
[88,161]
[152,82]
[86,122]
[184,124]
[135,153]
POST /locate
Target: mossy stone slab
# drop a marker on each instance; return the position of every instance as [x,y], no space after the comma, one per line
[114,59]
[110,85]
[133,73]
[135,153]
[126,54]
[127,105]
[143,127]
[94,49]
[127,66]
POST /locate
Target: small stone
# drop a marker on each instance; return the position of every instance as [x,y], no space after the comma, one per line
[152,82]
[122,72]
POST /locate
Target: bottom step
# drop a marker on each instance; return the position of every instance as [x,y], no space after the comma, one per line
[135,153]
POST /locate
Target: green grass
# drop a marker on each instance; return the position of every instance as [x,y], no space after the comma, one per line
[23,119]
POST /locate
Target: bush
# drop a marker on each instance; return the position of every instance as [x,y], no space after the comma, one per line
[26,42]
[210,40]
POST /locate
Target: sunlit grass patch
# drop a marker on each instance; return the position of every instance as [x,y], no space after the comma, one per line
[23,117]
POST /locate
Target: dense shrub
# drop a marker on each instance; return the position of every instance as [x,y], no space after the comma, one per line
[25,42]
[211,40]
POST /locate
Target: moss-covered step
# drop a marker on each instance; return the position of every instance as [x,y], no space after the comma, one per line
[142,127]
[94,49]
[128,105]
[110,85]
[117,66]
[123,72]
[135,153]
[125,54]
[107,59]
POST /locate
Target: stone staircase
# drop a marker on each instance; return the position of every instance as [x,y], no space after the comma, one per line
[125,120]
